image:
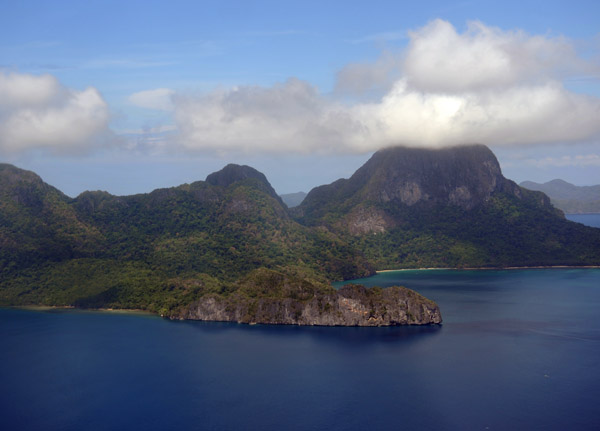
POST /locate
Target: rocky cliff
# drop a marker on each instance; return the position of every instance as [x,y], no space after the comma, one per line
[464,177]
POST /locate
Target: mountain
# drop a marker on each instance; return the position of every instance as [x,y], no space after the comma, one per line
[158,251]
[293,199]
[451,207]
[569,198]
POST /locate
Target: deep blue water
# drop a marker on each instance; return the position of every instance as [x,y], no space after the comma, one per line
[587,219]
[518,350]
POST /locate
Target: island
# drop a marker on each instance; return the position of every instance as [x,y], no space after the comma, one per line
[229,249]
[269,297]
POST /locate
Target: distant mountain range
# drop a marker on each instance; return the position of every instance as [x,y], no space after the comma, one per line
[293,199]
[569,198]
[228,248]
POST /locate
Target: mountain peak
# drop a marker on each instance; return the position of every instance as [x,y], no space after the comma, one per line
[463,176]
[233,173]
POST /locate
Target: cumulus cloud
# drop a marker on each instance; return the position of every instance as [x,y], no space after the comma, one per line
[159,98]
[545,113]
[292,116]
[37,112]
[484,85]
[439,59]
[362,79]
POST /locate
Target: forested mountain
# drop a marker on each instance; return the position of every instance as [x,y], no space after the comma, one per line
[157,250]
[451,207]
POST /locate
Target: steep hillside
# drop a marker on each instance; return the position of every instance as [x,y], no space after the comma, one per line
[37,223]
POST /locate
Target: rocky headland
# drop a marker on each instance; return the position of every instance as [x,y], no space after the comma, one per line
[269,297]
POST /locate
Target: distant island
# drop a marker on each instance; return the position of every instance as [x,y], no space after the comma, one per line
[567,197]
[229,248]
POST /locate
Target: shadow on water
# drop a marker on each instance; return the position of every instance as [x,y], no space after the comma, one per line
[351,335]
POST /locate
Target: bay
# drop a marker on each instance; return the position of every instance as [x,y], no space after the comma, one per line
[518,349]
[592,220]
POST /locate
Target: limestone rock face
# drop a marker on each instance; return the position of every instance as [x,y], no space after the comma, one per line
[464,176]
[352,305]
[366,220]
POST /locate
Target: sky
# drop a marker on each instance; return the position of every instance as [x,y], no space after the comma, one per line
[131,96]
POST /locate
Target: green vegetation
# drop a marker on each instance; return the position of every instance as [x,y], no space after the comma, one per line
[506,231]
[413,208]
[158,251]
[233,237]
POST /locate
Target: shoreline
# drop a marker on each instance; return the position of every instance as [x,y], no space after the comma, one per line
[492,268]
[72,307]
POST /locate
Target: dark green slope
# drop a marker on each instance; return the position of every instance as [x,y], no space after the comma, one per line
[450,207]
[156,251]
[37,223]
[223,230]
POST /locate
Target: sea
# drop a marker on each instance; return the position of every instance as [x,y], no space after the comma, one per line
[517,350]
[587,219]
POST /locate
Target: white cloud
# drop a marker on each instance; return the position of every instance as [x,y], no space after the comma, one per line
[159,98]
[484,85]
[37,112]
[544,113]
[440,59]
[291,116]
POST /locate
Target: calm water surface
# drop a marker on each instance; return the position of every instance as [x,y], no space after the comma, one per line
[518,350]
[587,219]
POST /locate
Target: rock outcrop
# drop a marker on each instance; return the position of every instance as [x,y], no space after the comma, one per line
[269,297]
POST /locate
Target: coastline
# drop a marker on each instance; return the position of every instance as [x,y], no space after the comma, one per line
[500,268]
[72,307]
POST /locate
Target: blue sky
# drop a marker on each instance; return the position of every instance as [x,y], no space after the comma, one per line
[131,96]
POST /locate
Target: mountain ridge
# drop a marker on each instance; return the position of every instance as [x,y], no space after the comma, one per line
[158,251]
[568,197]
